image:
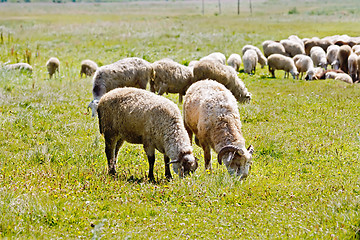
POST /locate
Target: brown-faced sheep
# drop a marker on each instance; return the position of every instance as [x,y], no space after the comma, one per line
[226,75]
[171,77]
[128,72]
[353,66]
[211,113]
[53,66]
[88,67]
[281,62]
[141,117]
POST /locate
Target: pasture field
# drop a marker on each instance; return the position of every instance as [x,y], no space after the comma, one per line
[305,179]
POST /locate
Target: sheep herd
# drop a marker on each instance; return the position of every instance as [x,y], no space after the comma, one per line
[211,89]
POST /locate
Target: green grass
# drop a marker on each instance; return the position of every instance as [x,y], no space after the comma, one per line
[304,182]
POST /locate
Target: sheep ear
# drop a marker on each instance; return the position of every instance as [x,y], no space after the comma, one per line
[251,149]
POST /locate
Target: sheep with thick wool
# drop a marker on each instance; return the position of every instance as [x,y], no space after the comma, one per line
[344,77]
[250,59]
[353,66]
[261,58]
[271,47]
[211,113]
[171,77]
[304,64]
[19,66]
[215,56]
[128,72]
[53,66]
[292,48]
[281,62]
[234,61]
[318,55]
[141,117]
[226,75]
[88,67]
[332,56]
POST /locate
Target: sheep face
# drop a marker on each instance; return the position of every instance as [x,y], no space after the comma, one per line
[186,165]
[310,74]
[294,73]
[93,105]
[237,161]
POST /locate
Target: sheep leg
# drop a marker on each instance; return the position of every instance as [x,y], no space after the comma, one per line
[151,160]
[207,157]
[180,98]
[118,145]
[272,71]
[167,167]
[110,155]
[190,133]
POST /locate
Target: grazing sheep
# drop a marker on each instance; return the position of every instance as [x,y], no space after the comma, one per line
[88,67]
[331,56]
[304,64]
[211,113]
[297,39]
[19,66]
[141,117]
[353,66]
[226,75]
[343,55]
[281,62]
[292,48]
[171,77]
[272,47]
[128,72]
[358,70]
[261,58]
[216,56]
[234,61]
[53,66]
[318,56]
[192,63]
[250,59]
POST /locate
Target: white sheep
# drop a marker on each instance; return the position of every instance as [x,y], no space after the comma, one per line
[318,56]
[88,67]
[234,61]
[226,75]
[353,66]
[250,59]
[261,58]
[271,47]
[211,113]
[215,56]
[304,64]
[332,56]
[339,76]
[128,72]
[53,66]
[292,48]
[141,117]
[281,62]
[297,39]
[171,77]
[19,66]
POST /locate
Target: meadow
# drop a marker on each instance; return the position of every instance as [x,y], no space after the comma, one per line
[304,182]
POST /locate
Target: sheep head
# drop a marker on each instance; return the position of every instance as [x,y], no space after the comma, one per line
[93,105]
[294,73]
[185,164]
[237,160]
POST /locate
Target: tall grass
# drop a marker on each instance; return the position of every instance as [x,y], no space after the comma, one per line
[53,175]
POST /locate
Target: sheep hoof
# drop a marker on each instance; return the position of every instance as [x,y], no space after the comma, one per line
[112,172]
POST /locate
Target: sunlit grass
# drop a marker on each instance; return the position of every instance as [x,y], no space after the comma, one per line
[304,182]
